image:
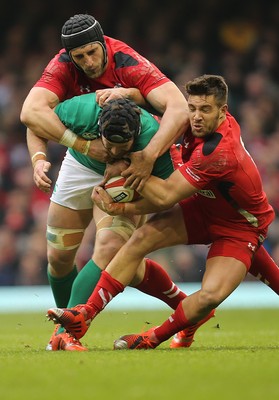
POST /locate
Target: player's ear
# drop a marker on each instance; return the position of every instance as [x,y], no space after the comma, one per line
[224,108]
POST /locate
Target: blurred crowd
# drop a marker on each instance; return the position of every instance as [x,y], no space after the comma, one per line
[236,39]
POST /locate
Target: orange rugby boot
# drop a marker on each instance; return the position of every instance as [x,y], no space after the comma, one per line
[140,341]
[186,337]
[74,320]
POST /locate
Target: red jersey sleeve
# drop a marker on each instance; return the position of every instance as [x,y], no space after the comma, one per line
[56,76]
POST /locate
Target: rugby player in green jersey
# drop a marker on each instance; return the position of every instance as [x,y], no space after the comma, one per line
[122,127]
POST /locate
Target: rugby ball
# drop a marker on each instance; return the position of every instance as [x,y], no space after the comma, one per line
[115,189]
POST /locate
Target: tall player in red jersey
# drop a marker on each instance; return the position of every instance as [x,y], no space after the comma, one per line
[93,62]
[215,198]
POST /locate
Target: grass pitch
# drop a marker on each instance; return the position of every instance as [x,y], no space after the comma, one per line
[235,356]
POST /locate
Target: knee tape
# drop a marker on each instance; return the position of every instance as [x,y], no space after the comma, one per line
[64,239]
[123,226]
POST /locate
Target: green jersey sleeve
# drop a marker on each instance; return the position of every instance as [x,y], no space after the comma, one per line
[80,114]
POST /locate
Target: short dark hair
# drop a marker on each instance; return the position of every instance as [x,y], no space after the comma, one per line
[119,120]
[209,85]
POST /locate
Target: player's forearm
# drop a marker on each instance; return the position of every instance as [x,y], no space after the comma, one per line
[156,196]
[37,147]
[135,95]
[171,103]
[35,143]
[173,125]
[164,194]
[158,192]
[47,126]
[140,207]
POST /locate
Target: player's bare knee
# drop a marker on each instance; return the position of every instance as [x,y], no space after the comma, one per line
[141,241]
[106,246]
[61,262]
[209,299]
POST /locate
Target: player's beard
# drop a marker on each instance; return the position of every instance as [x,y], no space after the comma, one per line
[206,128]
[95,73]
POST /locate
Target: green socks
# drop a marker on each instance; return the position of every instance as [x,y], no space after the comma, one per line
[84,284]
[61,287]
[76,286]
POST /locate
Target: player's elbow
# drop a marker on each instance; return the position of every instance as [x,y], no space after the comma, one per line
[28,113]
[24,117]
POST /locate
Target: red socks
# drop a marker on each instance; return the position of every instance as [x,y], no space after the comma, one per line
[264,268]
[175,323]
[105,290]
[157,283]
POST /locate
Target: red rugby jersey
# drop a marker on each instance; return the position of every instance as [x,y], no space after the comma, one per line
[126,68]
[229,183]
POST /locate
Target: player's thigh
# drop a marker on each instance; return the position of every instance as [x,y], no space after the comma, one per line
[222,276]
[164,229]
[64,217]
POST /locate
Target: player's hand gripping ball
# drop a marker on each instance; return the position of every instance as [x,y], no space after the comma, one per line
[116,190]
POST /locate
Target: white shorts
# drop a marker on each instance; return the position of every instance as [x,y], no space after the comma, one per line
[74,184]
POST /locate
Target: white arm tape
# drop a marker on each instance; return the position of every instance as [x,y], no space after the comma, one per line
[68,139]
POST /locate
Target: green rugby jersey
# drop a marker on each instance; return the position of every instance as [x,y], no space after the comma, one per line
[81,115]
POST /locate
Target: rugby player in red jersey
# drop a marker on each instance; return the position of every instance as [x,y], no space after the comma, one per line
[216,198]
[93,62]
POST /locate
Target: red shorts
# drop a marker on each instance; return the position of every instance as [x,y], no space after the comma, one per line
[224,241]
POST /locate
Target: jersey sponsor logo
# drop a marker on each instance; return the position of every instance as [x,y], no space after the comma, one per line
[90,135]
[207,193]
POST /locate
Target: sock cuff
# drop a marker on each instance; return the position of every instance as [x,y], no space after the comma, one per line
[72,274]
[180,315]
[111,284]
[146,275]
[92,264]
